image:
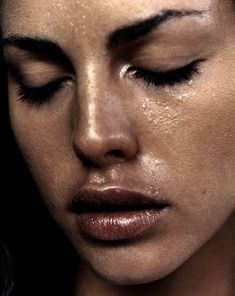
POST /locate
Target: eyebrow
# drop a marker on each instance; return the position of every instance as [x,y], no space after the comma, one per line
[131,33]
[118,38]
[40,47]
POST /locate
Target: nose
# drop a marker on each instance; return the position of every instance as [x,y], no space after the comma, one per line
[103,132]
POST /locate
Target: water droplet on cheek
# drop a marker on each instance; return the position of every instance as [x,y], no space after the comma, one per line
[149,111]
[47,14]
[153,188]
[187,95]
[190,82]
[59,6]
[169,92]
[153,163]
[200,70]
[156,163]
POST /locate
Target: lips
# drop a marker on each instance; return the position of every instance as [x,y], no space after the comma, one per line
[116,213]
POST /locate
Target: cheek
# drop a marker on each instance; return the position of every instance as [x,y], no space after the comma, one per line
[192,129]
[194,136]
[44,138]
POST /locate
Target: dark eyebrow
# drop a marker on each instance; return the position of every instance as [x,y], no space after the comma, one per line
[127,34]
[39,47]
[133,32]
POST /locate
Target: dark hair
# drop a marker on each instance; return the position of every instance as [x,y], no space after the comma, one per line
[6,271]
[44,260]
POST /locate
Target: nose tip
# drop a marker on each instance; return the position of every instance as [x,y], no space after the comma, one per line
[104,129]
[106,150]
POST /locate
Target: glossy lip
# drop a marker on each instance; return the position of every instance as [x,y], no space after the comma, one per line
[114,213]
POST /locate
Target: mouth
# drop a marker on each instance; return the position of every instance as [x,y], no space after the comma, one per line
[113,214]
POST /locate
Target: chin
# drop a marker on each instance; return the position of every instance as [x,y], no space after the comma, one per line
[124,269]
[136,277]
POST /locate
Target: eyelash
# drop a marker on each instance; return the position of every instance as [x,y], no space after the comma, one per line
[39,95]
[170,78]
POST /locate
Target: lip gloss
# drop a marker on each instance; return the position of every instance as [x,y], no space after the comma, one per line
[118,225]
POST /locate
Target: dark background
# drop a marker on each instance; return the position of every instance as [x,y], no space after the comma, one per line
[44,260]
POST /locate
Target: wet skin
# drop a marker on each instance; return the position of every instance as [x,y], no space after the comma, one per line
[105,126]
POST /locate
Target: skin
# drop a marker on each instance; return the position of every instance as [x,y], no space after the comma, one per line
[177,140]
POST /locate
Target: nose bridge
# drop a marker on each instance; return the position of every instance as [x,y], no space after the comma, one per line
[97,101]
[102,130]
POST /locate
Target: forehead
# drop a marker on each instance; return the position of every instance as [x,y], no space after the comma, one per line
[30,16]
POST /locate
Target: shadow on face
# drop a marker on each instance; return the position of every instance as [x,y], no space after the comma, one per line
[108,95]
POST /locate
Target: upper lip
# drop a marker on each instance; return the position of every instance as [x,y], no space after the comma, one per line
[113,198]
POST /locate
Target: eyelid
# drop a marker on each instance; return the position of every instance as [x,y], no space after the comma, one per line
[37,78]
[165,70]
[163,65]
[168,64]
[46,85]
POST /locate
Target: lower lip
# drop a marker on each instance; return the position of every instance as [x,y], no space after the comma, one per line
[112,226]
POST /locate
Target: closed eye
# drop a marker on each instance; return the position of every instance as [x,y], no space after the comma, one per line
[38,95]
[170,78]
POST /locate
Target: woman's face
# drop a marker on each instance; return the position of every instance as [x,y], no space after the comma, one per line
[145,106]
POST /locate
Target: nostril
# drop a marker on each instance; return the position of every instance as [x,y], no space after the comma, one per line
[115,153]
[105,149]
